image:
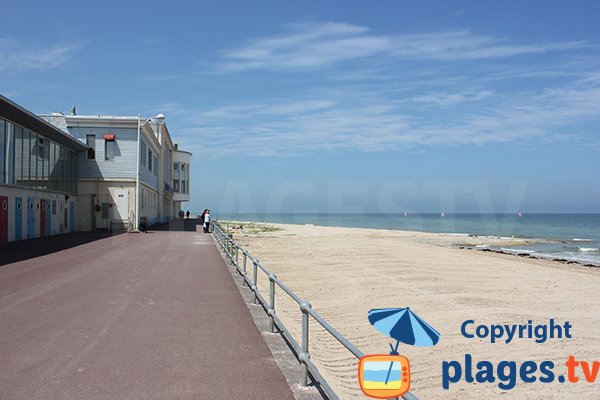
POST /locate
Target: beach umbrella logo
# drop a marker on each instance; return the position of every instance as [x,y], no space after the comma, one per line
[388,375]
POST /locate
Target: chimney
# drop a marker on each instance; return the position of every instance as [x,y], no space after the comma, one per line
[74,110]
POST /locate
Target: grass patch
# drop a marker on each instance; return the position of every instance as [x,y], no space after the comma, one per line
[248,228]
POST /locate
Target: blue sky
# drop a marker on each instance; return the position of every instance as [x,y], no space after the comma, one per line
[337,106]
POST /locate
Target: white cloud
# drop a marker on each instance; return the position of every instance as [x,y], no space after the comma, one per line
[15,55]
[318,45]
[414,91]
[334,121]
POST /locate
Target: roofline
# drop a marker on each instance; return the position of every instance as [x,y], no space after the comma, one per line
[184,151]
[25,118]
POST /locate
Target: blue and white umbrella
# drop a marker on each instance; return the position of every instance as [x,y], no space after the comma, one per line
[405,326]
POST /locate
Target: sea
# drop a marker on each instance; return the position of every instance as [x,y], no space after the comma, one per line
[572,237]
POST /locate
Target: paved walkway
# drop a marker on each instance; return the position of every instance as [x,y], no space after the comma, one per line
[133,316]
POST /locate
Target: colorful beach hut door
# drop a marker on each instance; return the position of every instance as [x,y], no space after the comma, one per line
[3,219]
[18,218]
[37,224]
[42,217]
[48,217]
[72,217]
[30,218]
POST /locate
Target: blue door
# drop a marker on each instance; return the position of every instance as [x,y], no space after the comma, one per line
[72,216]
[18,218]
[48,217]
[30,218]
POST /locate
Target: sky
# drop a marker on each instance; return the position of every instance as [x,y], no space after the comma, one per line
[336,106]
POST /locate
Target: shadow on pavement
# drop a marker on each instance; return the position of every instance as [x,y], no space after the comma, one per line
[25,249]
[179,225]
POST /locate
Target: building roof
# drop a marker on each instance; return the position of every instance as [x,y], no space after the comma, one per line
[19,115]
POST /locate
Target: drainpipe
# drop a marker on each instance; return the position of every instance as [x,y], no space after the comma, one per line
[137,178]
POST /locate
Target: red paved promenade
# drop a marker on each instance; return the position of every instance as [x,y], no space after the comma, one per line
[133,316]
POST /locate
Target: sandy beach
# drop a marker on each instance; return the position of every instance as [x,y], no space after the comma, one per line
[345,272]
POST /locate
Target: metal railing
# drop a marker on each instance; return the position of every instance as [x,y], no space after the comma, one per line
[232,251]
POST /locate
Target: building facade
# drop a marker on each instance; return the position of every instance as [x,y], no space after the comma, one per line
[65,173]
[125,174]
[38,172]
[181,177]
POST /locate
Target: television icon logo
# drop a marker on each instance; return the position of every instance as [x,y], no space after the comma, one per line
[383,376]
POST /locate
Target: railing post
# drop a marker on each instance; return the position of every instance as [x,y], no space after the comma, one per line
[305,355]
[236,258]
[244,266]
[271,310]
[254,280]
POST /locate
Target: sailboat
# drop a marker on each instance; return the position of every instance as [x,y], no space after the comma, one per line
[443,214]
[520,214]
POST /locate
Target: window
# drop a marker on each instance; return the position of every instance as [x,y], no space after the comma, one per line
[175,185]
[2,150]
[150,160]
[109,149]
[143,153]
[175,166]
[155,165]
[182,167]
[91,141]
[10,173]
[183,187]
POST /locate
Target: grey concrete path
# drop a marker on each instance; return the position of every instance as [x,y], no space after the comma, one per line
[133,316]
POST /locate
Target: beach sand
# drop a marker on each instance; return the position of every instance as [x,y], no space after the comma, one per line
[345,272]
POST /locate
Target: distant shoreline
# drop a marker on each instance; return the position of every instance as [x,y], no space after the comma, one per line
[483,243]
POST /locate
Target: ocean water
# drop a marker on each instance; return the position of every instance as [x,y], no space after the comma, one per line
[573,237]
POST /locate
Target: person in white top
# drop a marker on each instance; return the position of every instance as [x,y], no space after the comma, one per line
[206,221]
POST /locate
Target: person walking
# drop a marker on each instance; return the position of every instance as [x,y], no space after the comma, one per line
[187,214]
[206,221]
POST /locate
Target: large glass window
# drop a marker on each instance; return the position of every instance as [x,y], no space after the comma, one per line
[53,184]
[40,162]
[10,136]
[44,146]
[91,141]
[72,188]
[30,155]
[62,169]
[183,187]
[21,162]
[175,185]
[2,151]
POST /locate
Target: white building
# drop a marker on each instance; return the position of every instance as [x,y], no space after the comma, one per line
[126,174]
[181,175]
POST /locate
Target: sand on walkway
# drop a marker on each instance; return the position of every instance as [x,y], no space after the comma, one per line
[345,272]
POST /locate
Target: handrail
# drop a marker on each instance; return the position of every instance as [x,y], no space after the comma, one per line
[232,251]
